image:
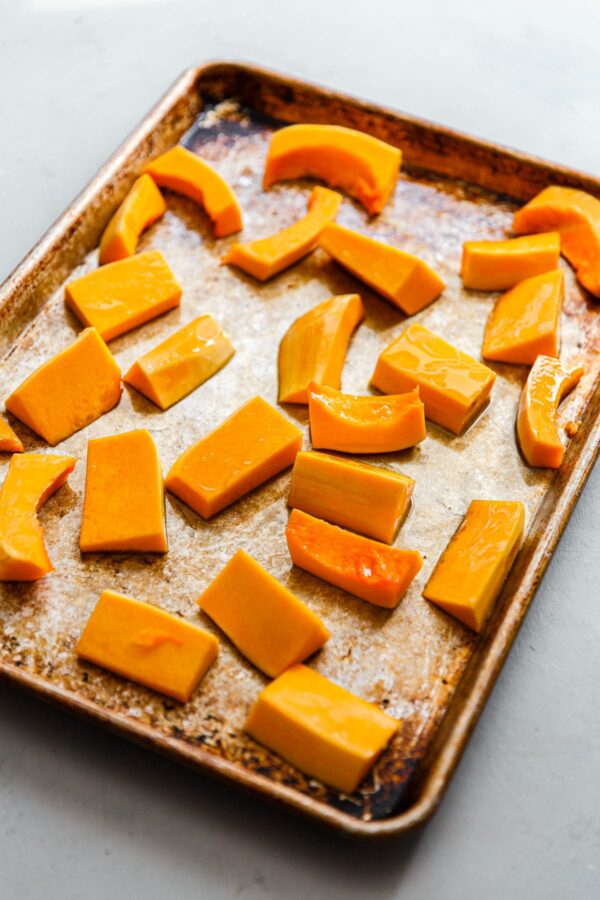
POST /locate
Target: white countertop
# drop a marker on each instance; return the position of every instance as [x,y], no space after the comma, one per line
[84,815]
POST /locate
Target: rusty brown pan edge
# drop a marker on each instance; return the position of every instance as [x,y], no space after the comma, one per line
[559,502]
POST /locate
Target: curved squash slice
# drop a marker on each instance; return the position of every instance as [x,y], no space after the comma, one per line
[9,442]
[576,216]
[537,427]
[182,171]
[267,257]
[372,571]
[31,479]
[499,265]
[314,347]
[142,206]
[360,165]
[355,424]
[404,279]
[525,321]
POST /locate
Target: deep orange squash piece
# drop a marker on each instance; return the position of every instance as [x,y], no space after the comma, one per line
[142,206]
[9,441]
[499,265]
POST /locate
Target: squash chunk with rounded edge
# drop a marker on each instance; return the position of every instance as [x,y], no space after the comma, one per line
[372,571]
[265,621]
[576,216]
[184,172]
[356,424]
[247,449]
[122,295]
[537,427]
[142,206]
[360,165]
[404,279]
[321,728]
[525,321]
[9,441]
[147,645]
[72,389]
[269,256]
[499,265]
[353,494]
[30,480]
[124,506]
[181,363]
[474,565]
[314,347]
[453,386]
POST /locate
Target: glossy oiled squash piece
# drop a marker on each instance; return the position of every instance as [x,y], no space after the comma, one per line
[267,257]
[474,565]
[498,265]
[69,391]
[147,645]
[249,447]
[404,279]
[350,493]
[124,508]
[265,621]
[453,386]
[9,441]
[182,171]
[314,347]
[537,427]
[142,206]
[525,321]
[576,216]
[30,480]
[122,295]
[356,424]
[321,728]
[372,571]
[181,363]
[360,165]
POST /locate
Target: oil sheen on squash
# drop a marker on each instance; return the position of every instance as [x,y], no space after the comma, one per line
[499,265]
[142,206]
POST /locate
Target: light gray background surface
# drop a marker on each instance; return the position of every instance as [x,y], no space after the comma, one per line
[84,815]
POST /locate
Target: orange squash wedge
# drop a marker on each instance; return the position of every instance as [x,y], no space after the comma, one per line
[372,571]
[356,424]
[404,279]
[499,265]
[314,347]
[142,206]
[30,480]
[360,165]
[184,172]
[537,428]
[576,216]
[267,257]
[9,441]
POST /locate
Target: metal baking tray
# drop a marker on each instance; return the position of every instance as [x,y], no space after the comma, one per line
[416,662]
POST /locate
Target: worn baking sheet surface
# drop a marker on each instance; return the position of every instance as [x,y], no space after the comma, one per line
[410,660]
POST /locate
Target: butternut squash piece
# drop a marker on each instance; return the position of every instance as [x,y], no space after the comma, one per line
[9,441]
[453,386]
[576,216]
[142,206]
[314,347]
[30,480]
[360,165]
[404,279]
[147,645]
[265,621]
[473,567]
[181,363]
[184,172]
[247,449]
[124,506]
[498,265]
[355,495]
[122,295]
[72,389]
[372,571]
[356,424]
[321,728]
[525,321]
[537,426]
[269,256]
